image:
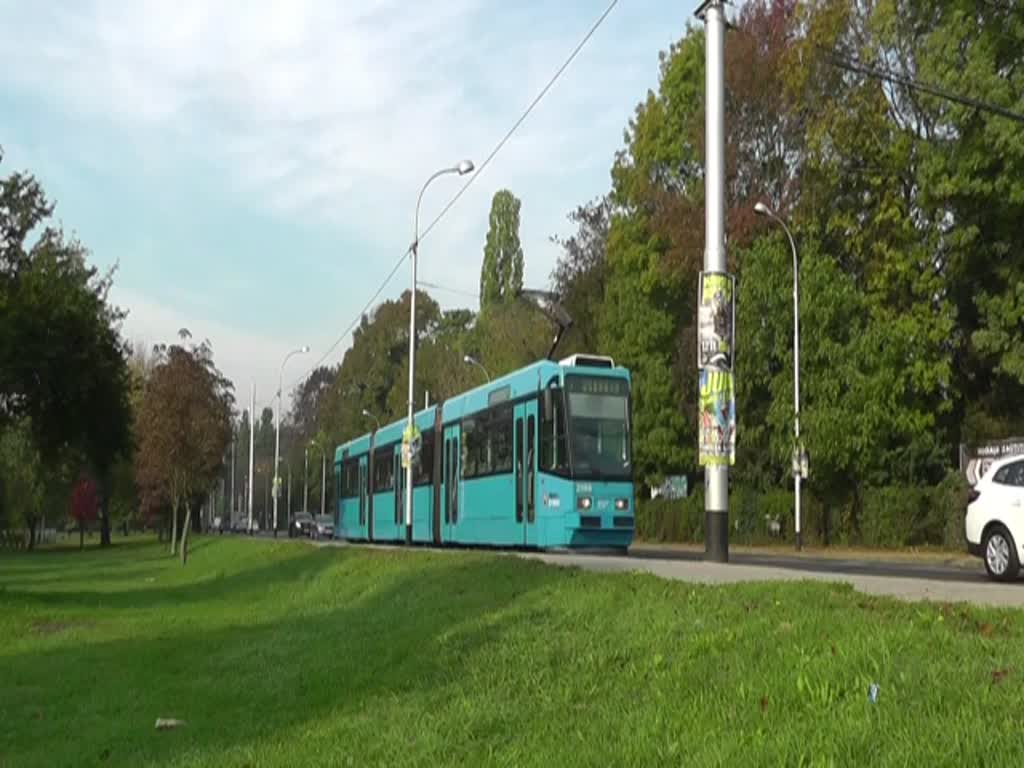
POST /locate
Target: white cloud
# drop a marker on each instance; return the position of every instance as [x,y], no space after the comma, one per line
[334,113]
[242,356]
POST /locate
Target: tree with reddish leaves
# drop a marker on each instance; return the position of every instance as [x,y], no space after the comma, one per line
[184,428]
[84,505]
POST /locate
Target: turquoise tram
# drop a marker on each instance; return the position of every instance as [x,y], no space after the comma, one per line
[539,458]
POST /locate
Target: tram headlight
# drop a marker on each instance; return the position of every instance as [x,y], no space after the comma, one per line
[584,502]
[621,504]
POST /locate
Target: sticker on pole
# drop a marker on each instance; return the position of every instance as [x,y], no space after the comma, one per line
[800,462]
[411,440]
[716,319]
[717,419]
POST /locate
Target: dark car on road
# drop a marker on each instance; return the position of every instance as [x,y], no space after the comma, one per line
[302,525]
[324,528]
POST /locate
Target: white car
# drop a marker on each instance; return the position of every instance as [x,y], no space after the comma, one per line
[995,518]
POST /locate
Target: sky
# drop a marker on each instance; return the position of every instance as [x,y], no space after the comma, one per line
[252,166]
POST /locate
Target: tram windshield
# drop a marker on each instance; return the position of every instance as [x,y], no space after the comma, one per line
[598,409]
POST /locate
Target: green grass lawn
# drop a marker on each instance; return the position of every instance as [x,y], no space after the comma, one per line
[279,654]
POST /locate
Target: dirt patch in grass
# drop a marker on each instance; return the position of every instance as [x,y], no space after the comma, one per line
[54,627]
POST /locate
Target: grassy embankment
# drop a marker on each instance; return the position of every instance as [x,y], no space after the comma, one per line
[279,654]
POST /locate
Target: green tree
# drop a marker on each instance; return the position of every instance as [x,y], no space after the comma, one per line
[646,307]
[639,328]
[510,336]
[306,400]
[23,488]
[501,277]
[857,423]
[656,233]
[579,277]
[62,359]
[374,371]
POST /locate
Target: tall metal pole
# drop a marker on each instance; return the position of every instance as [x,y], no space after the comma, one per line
[466,166]
[288,510]
[797,452]
[305,481]
[277,447]
[716,476]
[252,445]
[412,374]
[231,506]
[323,482]
[797,470]
[277,428]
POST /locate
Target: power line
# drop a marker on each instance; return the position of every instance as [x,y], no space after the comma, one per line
[462,190]
[459,291]
[565,65]
[933,90]
[355,322]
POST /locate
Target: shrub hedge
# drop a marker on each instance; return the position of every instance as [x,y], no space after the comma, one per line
[889,517]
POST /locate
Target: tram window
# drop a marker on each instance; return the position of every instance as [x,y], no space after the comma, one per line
[424,473]
[383,470]
[354,480]
[499,436]
[470,448]
[350,479]
[487,442]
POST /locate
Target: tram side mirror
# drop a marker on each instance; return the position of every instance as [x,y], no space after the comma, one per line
[548,406]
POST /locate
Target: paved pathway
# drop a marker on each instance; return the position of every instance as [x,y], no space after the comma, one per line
[903,578]
[962,586]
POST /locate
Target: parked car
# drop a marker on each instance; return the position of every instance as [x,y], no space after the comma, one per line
[302,525]
[242,526]
[994,524]
[324,528]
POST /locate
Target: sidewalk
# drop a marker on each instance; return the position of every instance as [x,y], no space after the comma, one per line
[965,588]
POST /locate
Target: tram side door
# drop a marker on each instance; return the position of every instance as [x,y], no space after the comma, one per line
[525,452]
[450,459]
[363,522]
[400,486]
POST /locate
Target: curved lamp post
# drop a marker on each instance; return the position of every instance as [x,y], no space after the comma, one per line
[763,210]
[470,360]
[466,166]
[277,427]
[369,415]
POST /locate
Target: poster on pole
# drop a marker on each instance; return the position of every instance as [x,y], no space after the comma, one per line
[716,319]
[411,438]
[717,418]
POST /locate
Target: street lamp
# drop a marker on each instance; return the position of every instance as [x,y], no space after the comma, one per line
[369,415]
[470,360]
[763,210]
[322,446]
[464,167]
[277,427]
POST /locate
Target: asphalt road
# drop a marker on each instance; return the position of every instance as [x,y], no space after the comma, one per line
[905,579]
[974,572]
